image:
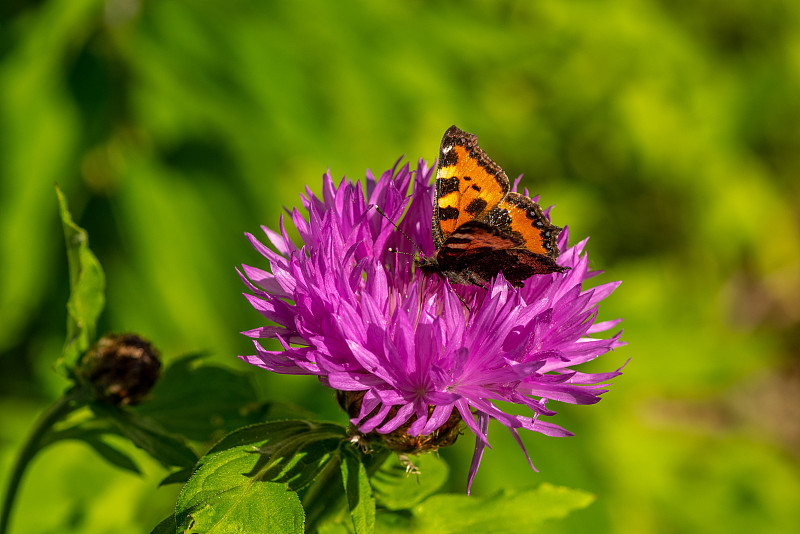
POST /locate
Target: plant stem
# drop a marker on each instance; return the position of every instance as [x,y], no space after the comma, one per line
[57,411]
[325,496]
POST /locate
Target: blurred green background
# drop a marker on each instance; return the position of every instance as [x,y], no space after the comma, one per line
[669,131]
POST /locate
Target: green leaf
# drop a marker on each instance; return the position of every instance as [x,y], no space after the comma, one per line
[87,289]
[226,506]
[506,511]
[396,489]
[91,432]
[357,488]
[83,430]
[167,526]
[247,482]
[113,455]
[293,452]
[180,476]
[180,400]
[169,450]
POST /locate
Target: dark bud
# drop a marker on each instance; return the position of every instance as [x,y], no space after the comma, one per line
[122,368]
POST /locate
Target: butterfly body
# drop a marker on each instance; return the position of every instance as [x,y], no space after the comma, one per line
[480,228]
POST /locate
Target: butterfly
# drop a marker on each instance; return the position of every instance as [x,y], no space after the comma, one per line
[480,228]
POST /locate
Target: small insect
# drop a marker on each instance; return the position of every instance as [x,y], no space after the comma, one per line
[479,227]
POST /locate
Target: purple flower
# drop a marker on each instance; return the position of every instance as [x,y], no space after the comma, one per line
[409,353]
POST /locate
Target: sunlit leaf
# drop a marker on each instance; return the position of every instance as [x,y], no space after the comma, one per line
[247,481]
[288,451]
[224,505]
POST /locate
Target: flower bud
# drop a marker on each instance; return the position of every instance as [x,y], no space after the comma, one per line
[122,368]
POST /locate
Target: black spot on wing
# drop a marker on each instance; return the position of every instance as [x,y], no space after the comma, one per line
[445,186]
[476,187]
[476,206]
[446,214]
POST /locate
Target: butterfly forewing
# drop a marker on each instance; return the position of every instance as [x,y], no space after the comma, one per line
[468,183]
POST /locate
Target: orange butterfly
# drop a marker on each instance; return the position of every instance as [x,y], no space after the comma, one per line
[479,227]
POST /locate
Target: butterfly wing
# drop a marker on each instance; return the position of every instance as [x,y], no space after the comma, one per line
[468,184]
[521,217]
[476,252]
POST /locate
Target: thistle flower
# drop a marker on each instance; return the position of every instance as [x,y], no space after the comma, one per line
[410,354]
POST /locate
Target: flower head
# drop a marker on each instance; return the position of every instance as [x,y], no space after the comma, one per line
[121,368]
[409,352]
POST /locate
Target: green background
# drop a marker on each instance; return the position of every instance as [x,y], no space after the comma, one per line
[669,131]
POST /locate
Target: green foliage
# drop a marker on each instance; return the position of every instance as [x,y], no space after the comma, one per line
[167,526]
[179,405]
[396,488]
[358,491]
[248,481]
[505,511]
[665,130]
[87,289]
[167,448]
[180,400]
[93,436]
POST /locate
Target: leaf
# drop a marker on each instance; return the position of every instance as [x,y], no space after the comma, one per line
[167,526]
[91,433]
[169,450]
[290,451]
[180,476]
[92,429]
[357,488]
[395,489]
[180,400]
[247,482]
[113,456]
[506,511]
[87,289]
[227,506]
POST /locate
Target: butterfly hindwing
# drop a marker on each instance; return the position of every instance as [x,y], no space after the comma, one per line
[468,184]
[476,252]
[522,217]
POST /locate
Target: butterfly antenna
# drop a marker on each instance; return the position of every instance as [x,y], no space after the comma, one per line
[422,252]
